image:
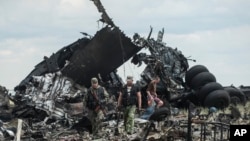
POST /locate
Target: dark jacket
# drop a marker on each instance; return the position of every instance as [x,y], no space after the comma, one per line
[129,98]
[93,102]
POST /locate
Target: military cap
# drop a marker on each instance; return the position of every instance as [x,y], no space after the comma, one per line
[129,77]
[94,80]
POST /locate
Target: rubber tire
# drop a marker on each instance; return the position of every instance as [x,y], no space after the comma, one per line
[218,98]
[235,100]
[160,114]
[201,79]
[206,89]
[193,71]
[234,92]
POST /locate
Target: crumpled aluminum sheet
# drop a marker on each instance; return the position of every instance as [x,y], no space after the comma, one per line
[45,91]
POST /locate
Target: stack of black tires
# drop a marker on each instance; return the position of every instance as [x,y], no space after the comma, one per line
[208,92]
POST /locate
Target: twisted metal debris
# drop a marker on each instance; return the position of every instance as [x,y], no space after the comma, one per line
[50,99]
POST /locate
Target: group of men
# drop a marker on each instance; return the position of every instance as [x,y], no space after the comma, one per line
[129,100]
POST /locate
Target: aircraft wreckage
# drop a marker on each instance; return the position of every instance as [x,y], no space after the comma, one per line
[50,99]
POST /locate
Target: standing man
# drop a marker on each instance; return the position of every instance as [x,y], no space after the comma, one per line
[151,90]
[129,98]
[95,101]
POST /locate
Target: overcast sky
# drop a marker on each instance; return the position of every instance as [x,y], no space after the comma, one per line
[214,32]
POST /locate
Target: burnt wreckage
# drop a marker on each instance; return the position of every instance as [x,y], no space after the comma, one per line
[54,90]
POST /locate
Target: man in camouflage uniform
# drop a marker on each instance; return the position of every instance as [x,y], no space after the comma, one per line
[95,101]
[129,98]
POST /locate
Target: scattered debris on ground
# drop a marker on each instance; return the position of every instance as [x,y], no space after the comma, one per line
[48,104]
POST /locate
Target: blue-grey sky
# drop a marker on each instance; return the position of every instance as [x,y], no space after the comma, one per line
[214,32]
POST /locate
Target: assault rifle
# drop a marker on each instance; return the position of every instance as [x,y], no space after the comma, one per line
[118,114]
[101,103]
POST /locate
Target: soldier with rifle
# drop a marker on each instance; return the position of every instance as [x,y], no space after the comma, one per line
[95,100]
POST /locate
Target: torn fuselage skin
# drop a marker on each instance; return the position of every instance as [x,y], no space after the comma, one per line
[51,95]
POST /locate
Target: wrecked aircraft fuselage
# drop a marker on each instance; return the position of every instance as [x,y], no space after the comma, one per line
[58,84]
[62,79]
[54,90]
[87,57]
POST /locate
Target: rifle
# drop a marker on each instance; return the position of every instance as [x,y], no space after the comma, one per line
[100,104]
[118,114]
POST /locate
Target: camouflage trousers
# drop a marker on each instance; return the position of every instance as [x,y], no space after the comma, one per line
[96,120]
[129,115]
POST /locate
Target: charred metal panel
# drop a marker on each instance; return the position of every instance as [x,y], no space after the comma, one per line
[107,50]
[53,63]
